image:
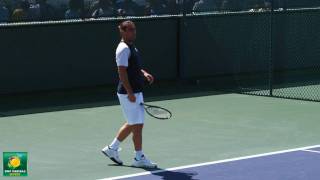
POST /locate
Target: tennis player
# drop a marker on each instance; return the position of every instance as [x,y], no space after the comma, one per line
[130,95]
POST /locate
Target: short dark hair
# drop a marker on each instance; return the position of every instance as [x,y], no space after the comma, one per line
[124,25]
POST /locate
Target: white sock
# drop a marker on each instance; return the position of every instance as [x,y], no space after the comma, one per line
[115,144]
[139,155]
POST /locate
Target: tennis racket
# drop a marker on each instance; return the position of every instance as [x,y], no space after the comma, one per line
[157,112]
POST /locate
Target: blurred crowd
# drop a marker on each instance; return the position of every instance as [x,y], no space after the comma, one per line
[42,10]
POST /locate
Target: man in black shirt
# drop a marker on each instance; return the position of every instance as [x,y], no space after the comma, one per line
[131,79]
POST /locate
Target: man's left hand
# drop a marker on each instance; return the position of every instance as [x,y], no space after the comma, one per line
[149,77]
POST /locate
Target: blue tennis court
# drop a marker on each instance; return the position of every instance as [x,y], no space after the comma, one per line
[294,164]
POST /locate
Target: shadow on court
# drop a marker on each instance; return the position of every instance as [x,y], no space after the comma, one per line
[60,100]
[165,174]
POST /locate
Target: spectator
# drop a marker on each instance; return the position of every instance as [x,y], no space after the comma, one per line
[155,7]
[11,5]
[93,6]
[173,7]
[34,10]
[189,4]
[4,12]
[47,12]
[253,5]
[232,5]
[205,6]
[21,13]
[128,8]
[279,4]
[105,8]
[60,10]
[76,9]
[267,5]
[260,5]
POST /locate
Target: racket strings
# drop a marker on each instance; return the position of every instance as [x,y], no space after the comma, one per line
[158,112]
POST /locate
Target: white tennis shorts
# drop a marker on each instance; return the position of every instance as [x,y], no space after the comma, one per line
[133,112]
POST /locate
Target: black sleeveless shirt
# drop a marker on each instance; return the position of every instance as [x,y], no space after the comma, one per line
[135,76]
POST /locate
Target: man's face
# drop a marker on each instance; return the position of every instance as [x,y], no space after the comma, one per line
[130,33]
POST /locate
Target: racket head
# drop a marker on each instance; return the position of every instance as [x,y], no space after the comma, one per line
[157,112]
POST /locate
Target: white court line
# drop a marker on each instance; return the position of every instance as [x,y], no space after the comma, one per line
[214,162]
[306,150]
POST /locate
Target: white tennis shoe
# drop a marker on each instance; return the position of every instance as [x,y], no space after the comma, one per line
[143,163]
[112,154]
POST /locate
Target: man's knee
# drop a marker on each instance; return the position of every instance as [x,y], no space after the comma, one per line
[137,128]
[126,126]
